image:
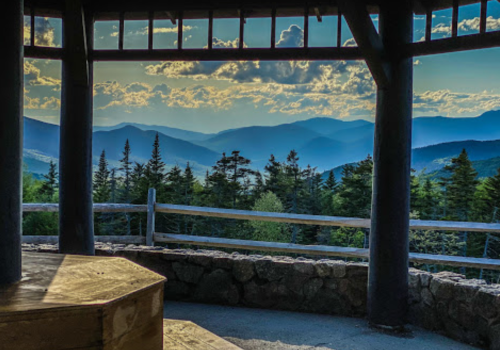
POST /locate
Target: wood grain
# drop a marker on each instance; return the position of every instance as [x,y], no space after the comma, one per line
[185,335]
[82,302]
[347,252]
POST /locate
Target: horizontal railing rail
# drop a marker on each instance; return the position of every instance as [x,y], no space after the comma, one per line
[318,250]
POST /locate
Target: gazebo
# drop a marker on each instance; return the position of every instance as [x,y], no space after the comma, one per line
[388,52]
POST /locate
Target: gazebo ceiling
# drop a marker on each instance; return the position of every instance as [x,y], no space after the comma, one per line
[138,9]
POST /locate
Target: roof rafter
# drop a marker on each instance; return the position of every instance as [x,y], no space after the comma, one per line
[367,38]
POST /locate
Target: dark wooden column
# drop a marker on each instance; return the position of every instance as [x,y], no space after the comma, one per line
[76,224]
[11,140]
[388,276]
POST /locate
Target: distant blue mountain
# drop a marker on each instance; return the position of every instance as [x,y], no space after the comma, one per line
[322,142]
[433,130]
[435,157]
[41,145]
[174,151]
[259,142]
[329,126]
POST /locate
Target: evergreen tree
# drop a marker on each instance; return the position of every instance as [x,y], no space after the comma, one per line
[49,185]
[355,193]
[155,167]
[330,188]
[492,186]
[273,171]
[460,186]
[237,173]
[102,188]
[126,169]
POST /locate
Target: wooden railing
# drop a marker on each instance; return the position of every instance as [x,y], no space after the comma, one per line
[152,236]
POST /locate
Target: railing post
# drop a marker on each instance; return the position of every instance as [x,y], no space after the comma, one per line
[151,217]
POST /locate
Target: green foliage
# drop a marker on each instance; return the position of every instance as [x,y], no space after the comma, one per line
[102,188]
[269,231]
[347,237]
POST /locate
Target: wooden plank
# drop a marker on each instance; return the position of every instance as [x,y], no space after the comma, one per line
[459,261]
[262,246]
[460,43]
[263,216]
[347,252]
[482,17]
[98,208]
[82,302]
[320,220]
[367,38]
[247,54]
[104,239]
[185,335]
[150,229]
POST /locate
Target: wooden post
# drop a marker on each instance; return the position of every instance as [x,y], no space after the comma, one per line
[151,217]
[76,223]
[389,250]
[11,141]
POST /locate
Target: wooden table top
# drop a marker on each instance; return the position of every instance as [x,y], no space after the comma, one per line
[61,281]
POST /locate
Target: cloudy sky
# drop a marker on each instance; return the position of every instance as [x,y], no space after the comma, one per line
[212,96]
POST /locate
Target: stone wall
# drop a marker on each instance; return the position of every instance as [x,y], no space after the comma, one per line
[466,310]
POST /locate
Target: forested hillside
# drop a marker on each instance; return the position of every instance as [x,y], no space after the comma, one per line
[283,186]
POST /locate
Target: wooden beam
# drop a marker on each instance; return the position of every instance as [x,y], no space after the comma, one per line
[339,28]
[151,216]
[151,29]
[316,53]
[273,28]
[11,140]
[121,30]
[483,21]
[103,239]
[460,43]
[319,219]
[428,25]
[180,30]
[306,27]
[97,208]
[331,251]
[49,53]
[454,19]
[318,14]
[367,38]
[242,29]
[33,26]
[76,224]
[210,29]
[389,232]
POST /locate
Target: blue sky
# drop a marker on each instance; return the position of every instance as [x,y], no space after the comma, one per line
[211,96]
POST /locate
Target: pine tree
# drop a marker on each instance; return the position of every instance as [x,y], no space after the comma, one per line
[188,185]
[156,167]
[237,173]
[295,184]
[427,201]
[331,183]
[460,186]
[355,193]
[492,186]
[460,190]
[102,188]
[126,169]
[330,188]
[49,185]
[273,171]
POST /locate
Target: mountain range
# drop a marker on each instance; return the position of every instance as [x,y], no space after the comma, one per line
[322,142]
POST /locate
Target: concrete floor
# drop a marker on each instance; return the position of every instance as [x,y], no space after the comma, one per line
[253,329]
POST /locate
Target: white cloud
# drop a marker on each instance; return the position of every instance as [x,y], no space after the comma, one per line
[291,37]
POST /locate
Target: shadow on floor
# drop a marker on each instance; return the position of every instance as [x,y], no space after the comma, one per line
[257,329]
